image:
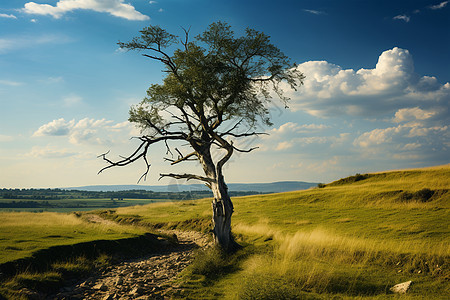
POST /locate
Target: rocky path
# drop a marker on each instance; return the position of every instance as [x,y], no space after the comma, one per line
[149,277]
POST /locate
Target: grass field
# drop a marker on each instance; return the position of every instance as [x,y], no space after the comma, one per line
[23,233]
[350,239]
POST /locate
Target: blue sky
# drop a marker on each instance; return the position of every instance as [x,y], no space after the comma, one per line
[376,95]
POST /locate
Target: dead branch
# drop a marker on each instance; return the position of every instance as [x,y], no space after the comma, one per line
[246,150]
[187,177]
[139,153]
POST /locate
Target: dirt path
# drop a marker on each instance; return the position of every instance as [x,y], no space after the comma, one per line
[148,277]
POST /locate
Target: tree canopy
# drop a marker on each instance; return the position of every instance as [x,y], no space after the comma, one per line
[217,89]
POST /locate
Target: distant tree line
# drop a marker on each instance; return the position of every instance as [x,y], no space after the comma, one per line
[60,194]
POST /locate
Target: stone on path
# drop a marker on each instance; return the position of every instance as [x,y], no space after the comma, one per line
[401,288]
[101,287]
[108,297]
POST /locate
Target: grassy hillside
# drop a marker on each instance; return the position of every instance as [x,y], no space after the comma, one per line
[24,233]
[350,239]
[355,237]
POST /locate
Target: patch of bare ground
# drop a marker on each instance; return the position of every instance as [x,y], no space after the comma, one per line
[150,277]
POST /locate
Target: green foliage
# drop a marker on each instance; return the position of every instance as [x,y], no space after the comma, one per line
[217,76]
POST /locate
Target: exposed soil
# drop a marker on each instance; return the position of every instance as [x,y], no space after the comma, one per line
[150,277]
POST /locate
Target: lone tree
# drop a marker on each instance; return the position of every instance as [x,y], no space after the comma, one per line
[216,91]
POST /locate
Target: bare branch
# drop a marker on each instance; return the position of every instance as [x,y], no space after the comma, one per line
[146,171]
[168,151]
[130,159]
[187,177]
[139,153]
[245,151]
[186,39]
[165,61]
[185,158]
[234,126]
[239,135]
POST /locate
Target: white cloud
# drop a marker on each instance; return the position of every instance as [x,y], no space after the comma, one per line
[378,136]
[439,6]
[86,131]
[329,90]
[8,16]
[413,114]
[294,128]
[414,139]
[418,131]
[55,128]
[403,18]
[114,7]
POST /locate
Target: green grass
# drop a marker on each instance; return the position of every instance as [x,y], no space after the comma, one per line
[351,239]
[22,234]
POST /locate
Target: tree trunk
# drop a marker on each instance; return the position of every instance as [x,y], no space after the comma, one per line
[222,211]
[222,206]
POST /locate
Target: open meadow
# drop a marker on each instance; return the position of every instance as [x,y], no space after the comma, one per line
[354,238]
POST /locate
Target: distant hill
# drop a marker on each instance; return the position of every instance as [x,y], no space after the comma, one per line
[274,187]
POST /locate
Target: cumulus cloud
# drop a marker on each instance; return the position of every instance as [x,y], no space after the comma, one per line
[412,114]
[414,141]
[295,137]
[330,90]
[403,135]
[116,8]
[86,131]
[55,128]
[10,16]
